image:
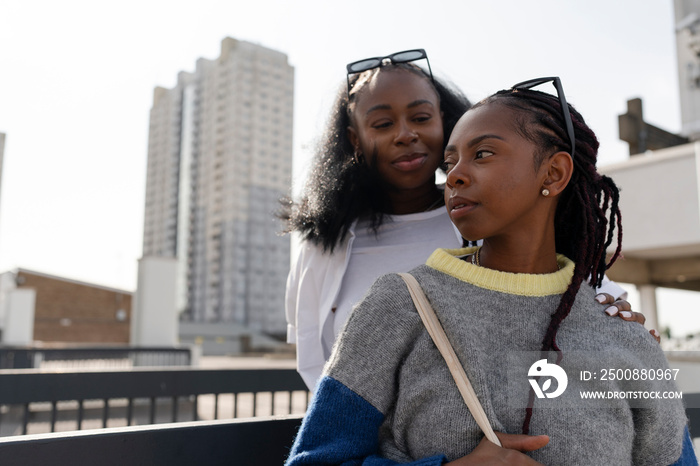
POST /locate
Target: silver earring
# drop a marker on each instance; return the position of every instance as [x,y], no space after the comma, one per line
[545,192]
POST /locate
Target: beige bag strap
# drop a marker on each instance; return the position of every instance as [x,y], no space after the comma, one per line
[432,324]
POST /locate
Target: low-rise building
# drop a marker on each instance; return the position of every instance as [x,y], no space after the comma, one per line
[66,310]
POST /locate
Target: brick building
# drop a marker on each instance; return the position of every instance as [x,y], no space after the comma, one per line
[71,311]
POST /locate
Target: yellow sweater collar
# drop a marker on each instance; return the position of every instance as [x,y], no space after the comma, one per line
[524,284]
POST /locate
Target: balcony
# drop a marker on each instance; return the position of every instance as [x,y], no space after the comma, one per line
[660,203]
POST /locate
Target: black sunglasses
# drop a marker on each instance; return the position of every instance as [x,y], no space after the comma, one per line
[562,102]
[398,57]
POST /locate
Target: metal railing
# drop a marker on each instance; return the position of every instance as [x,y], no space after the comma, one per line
[33,401]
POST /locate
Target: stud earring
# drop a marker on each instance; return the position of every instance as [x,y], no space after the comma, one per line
[545,192]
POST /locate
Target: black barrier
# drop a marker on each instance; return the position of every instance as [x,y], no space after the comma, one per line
[28,389]
[693,413]
[257,442]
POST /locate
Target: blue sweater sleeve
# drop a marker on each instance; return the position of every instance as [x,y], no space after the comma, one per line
[341,428]
[688,457]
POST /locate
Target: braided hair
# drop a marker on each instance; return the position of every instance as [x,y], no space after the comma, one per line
[339,190]
[587,213]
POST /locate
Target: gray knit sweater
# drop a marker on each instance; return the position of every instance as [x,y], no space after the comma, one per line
[496,320]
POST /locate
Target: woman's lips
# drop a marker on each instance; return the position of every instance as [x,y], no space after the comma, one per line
[460,206]
[410,162]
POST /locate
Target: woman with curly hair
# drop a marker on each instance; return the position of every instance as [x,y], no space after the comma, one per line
[521,176]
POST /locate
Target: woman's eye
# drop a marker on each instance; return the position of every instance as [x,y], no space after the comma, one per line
[381,124]
[482,154]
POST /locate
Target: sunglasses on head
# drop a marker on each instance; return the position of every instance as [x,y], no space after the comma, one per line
[398,57]
[562,102]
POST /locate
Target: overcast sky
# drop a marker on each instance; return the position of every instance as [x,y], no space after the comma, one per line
[77,79]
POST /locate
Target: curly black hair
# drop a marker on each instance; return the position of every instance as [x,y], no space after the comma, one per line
[338,191]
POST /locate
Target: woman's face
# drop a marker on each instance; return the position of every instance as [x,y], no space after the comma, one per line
[397,125]
[492,187]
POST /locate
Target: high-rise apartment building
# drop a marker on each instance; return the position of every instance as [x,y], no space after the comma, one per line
[687,18]
[219,159]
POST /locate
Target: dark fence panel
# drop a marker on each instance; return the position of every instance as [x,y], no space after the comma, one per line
[25,389]
[29,386]
[237,442]
[693,399]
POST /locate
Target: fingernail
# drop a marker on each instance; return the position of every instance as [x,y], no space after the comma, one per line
[611,311]
[655,332]
[626,314]
[600,298]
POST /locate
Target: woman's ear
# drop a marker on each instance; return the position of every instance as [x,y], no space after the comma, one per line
[560,167]
[354,138]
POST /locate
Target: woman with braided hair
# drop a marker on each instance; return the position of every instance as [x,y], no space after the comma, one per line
[521,176]
[371,205]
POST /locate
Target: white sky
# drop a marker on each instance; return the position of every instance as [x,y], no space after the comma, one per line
[77,78]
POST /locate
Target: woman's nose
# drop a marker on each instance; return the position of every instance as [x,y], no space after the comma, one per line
[457,176]
[406,134]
